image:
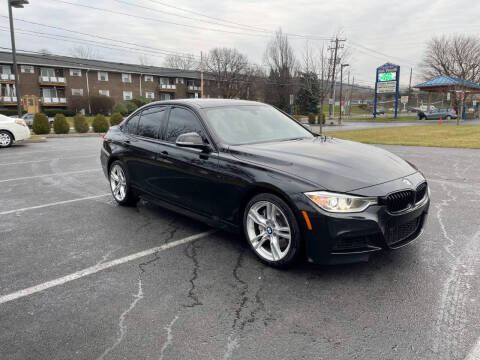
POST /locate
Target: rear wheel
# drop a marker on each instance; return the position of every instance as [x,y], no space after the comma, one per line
[6,139]
[120,184]
[448,117]
[272,230]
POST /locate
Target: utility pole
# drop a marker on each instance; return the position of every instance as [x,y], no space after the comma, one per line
[410,85]
[15,4]
[337,41]
[341,88]
[201,73]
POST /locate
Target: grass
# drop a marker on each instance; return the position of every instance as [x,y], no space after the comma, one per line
[450,136]
[36,137]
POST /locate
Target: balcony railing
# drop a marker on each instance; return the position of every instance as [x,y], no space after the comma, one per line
[7,76]
[54,100]
[8,99]
[168,87]
[52,79]
[194,88]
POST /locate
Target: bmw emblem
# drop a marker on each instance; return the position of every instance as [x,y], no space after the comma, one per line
[269,230]
[407,182]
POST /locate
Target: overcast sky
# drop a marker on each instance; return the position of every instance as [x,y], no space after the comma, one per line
[396,31]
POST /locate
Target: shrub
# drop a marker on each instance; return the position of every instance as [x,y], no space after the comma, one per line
[131,107]
[10,112]
[100,124]
[311,118]
[101,104]
[54,112]
[140,101]
[120,108]
[116,119]
[40,124]
[60,124]
[321,118]
[80,124]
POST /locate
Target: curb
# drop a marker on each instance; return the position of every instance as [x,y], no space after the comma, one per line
[31,141]
[74,135]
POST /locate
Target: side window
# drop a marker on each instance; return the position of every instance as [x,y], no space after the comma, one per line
[131,126]
[151,122]
[182,121]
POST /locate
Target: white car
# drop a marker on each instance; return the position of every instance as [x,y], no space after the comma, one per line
[12,130]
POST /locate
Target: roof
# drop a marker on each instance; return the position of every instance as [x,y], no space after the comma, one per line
[209,103]
[98,65]
[444,81]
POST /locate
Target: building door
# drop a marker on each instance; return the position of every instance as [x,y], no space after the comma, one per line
[31,104]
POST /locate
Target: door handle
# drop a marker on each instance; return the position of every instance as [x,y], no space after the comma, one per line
[164,154]
[127,142]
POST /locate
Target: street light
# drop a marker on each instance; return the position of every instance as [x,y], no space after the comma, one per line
[18,4]
[341,88]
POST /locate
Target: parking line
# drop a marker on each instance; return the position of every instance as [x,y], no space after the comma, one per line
[94,269]
[48,175]
[52,204]
[474,353]
[37,161]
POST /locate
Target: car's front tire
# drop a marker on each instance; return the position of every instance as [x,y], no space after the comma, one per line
[448,117]
[6,139]
[120,184]
[272,230]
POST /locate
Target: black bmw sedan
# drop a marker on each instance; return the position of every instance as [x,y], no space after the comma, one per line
[247,167]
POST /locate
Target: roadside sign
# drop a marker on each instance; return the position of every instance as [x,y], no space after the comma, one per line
[330,101]
[291,99]
[474,102]
[404,99]
[386,87]
[448,96]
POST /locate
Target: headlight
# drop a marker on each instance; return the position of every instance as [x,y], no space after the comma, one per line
[340,203]
[20,122]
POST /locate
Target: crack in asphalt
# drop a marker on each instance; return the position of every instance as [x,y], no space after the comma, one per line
[191,252]
[169,339]
[122,328]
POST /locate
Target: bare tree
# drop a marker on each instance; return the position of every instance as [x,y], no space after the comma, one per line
[144,60]
[457,56]
[45,51]
[182,62]
[85,52]
[280,59]
[230,71]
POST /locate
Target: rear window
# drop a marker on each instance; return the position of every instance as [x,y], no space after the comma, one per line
[151,121]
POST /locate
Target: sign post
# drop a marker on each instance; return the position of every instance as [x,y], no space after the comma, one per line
[387,82]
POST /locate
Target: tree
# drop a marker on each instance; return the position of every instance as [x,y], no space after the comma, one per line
[182,62]
[85,52]
[457,56]
[280,59]
[78,102]
[229,68]
[101,104]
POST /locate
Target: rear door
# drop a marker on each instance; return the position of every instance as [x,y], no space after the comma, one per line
[145,145]
[189,176]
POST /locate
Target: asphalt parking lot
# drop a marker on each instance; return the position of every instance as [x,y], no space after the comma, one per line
[207,297]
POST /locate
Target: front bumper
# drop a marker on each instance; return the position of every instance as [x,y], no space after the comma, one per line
[21,133]
[344,238]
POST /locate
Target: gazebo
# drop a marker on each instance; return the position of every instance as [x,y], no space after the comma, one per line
[449,84]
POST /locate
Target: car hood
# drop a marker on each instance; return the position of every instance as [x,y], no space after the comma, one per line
[333,164]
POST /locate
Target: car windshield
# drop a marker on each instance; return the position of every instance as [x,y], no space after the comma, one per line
[246,124]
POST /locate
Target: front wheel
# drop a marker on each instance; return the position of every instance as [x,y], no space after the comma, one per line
[6,139]
[272,230]
[448,117]
[120,184]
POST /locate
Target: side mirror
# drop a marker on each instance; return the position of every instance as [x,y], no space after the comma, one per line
[191,140]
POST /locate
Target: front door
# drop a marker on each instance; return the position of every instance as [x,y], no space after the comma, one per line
[189,175]
[31,104]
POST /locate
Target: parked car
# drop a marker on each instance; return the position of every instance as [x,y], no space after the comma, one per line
[247,167]
[28,118]
[424,108]
[380,111]
[12,130]
[436,114]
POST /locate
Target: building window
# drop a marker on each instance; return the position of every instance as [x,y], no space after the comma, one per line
[127,95]
[150,95]
[75,72]
[179,80]
[166,81]
[127,78]
[77,92]
[102,76]
[6,69]
[47,72]
[104,92]
[148,78]
[165,96]
[27,69]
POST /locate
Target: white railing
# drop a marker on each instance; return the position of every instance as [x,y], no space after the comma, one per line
[63,100]
[52,79]
[46,100]
[168,87]
[7,76]
[194,88]
[9,99]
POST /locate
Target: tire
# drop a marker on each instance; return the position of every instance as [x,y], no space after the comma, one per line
[448,117]
[423,117]
[120,184]
[275,237]
[6,139]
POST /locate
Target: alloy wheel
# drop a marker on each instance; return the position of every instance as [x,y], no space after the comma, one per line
[268,231]
[118,182]
[5,139]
